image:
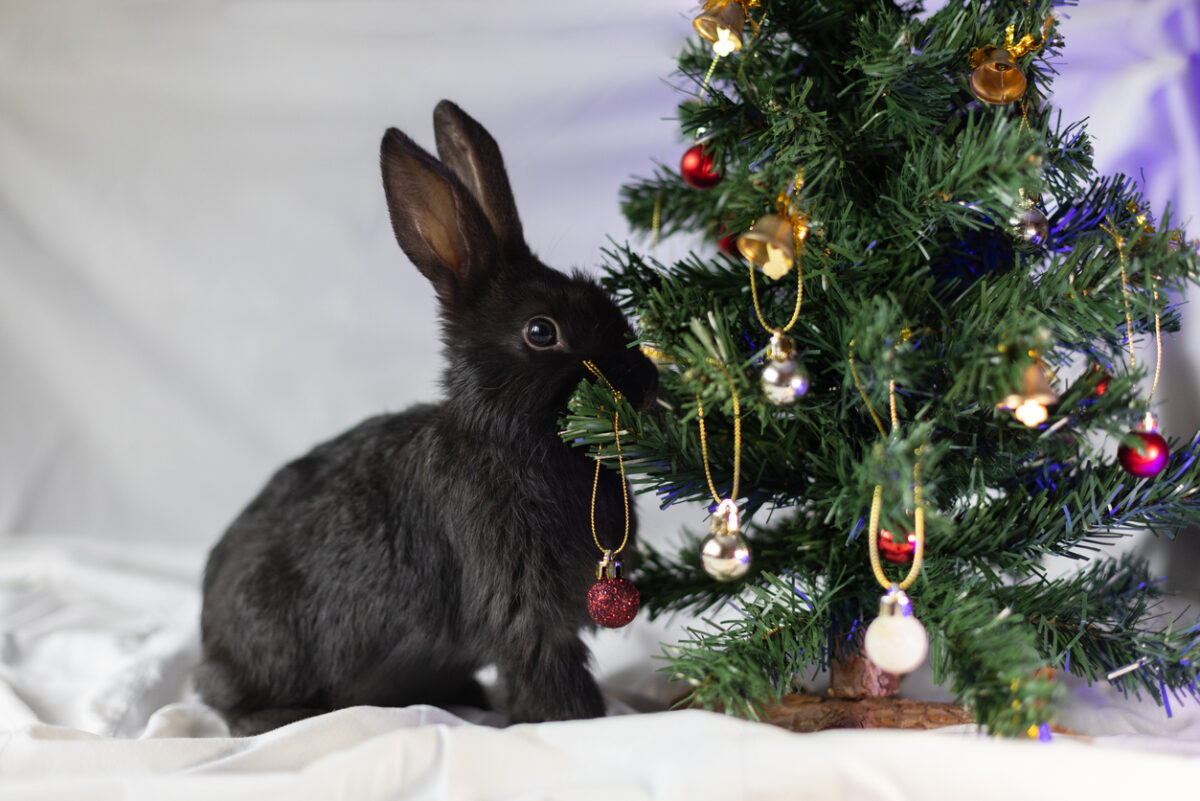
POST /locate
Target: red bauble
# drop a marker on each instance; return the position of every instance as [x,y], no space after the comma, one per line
[1102,379]
[696,168]
[1147,461]
[613,602]
[728,245]
[898,550]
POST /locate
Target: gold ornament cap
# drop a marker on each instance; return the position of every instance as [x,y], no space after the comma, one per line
[997,79]
[769,245]
[608,567]
[780,347]
[722,26]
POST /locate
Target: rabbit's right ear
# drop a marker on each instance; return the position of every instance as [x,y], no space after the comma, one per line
[437,222]
[469,150]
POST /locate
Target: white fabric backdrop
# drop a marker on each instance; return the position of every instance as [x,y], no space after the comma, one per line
[198,282]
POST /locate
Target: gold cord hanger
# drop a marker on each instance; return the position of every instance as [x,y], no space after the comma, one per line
[877,499]
[724,553]
[774,244]
[895,640]
[613,601]
[1152,453]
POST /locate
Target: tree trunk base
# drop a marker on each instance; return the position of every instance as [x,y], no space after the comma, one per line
[810,713]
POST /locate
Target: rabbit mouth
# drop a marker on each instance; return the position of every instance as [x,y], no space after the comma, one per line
[638,382]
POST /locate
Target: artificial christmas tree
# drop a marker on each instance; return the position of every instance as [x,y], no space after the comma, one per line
[949,259]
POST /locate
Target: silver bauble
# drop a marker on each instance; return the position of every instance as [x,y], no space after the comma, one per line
[725,555]
[783,381]
[1030,229]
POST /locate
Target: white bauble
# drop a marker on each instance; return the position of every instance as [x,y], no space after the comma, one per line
[896,643]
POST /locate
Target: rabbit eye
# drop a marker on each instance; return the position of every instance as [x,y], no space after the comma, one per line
[541,332]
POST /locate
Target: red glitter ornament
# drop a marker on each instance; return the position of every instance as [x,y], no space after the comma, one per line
[696,168]
[613,602]
[1148,460]
[896,549]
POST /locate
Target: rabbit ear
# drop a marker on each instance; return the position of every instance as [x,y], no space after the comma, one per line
[466,147]
[438,224]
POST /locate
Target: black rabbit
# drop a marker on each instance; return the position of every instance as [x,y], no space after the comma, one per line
[389,564]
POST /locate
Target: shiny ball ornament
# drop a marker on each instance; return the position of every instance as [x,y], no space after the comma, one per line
[1029,229]
[725,557]
[897,548]
[896,641]
[1102,379]
[1150,459]
[996,79]
[696,168]
[782,379]
[612,601]
[724,553]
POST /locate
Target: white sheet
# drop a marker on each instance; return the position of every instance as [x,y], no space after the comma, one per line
[100,641]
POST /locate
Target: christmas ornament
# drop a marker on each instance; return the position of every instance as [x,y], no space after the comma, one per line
[724,552]
[896,641]
[1029,228]
[769,245]
[1101,378]
[722,22]
[696,168]
[995,77]
[897,548]
[728,244]
[1029,405]
[782,379]
[612,601]
[774,244]
[1150,457]
[775,241]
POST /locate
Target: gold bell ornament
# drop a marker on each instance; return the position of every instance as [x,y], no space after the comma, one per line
[995,76]
[1029,405]
[722,22]
[769,245]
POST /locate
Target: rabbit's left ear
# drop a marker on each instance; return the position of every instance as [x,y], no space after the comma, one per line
[469,150]
[437,222]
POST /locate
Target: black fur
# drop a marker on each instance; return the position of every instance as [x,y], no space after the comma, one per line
[389,564]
